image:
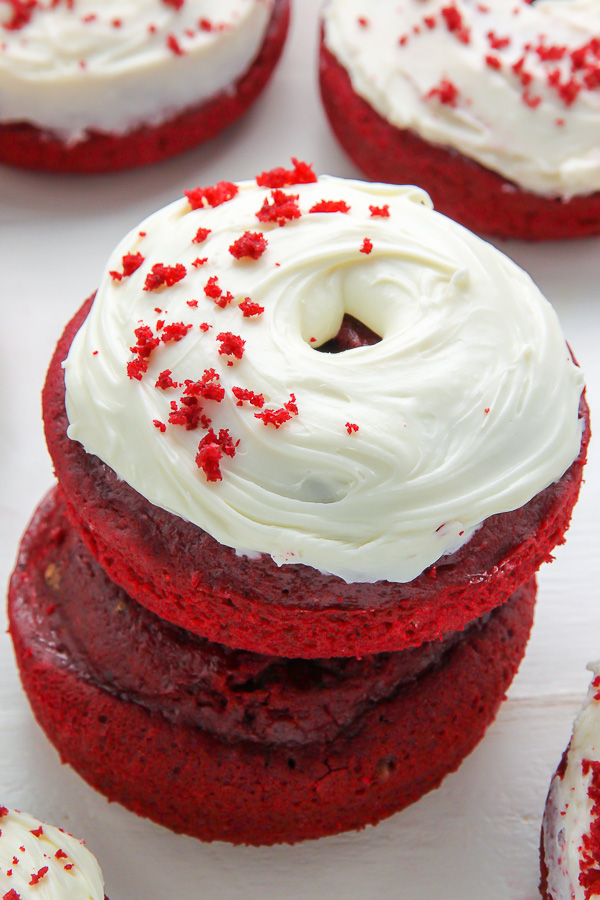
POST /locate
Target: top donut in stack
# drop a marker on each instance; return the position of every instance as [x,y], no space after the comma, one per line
[244,485]
[494,107]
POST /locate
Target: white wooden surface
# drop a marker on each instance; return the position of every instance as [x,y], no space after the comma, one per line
[477,836]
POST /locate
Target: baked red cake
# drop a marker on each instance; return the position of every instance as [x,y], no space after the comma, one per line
[40,860]
[230,745]
[493,108]
[273,498]
[90,87]
[570,847]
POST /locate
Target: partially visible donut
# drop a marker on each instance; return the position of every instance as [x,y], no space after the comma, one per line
[97,87]
[570,848]
[493,108]
[40,860]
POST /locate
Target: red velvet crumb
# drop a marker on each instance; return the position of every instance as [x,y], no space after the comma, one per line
[330,206]
[199,262]
[282,210]
[382,211]
[21,13]
[231,344]
[174,332]
[367,246]
[174,45]
[164,275]
[249,308]
[211,196]
[446,92]
[160,425]
[251,245]
[3,811]
[210,451]
[36,877]
[60,854]
[277,417]
[243,395]
[209,387]
[131,263]
[164,381]
[201,235]
[37,832]
[351,428]
[11,895]
[302,173]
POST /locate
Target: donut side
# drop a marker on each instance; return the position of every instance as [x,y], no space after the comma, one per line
[24,145]
[476,197]
[254,791]
[183,575]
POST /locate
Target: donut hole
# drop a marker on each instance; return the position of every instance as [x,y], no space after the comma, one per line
[352,334]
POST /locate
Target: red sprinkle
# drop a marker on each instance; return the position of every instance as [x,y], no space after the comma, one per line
[381,211]
[367,246]
[251,245]
[302,173]
[164,275]
[330,206]
[231,344]
[211,196]
[243,395]
[249,308]
[282,210]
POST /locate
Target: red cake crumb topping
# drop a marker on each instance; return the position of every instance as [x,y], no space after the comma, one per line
[21,13]
[381,211]
[60,854]
[189,415]
[367,246]
[204,326]
[244,395]
[351,428]
[215,292]
[282,210]
[302,173]
[164,275]
[199,262]
[446,92]
[201,235]
[493,62]
[11,895]
[589,865]
[330,206]
[131,263]
[251,245]
[455,24]
[3,811]
[231,344]
[210,451]
[160,425]
[277,417]
[176,4]
[174,332]
[174,45]
[249,308]
[209,387]
[137,367]
[68,866]
[211,196]
[193,303]
[146,341]
[37,876]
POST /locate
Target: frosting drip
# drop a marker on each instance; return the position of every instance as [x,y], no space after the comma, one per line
[114,65]
[467,407]
[571,819]
[44,862]
[514,86]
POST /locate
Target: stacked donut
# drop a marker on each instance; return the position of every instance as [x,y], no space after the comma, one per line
[493,108]
[313,440]
[90,86]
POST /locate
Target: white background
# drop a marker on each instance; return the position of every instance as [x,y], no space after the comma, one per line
[475,837]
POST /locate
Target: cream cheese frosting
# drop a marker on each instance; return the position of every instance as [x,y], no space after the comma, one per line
[572,817]
[116,64]
[43,862]
[514,86]
[386,456]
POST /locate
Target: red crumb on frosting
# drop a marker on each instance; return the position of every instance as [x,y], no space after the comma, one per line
[446,92]
[174,45]
[215,292]
[199,262]
[164,275]
[189,415]
[330,206]
[136,368]
[209,387]
[282,210]
[243,395]
[351,428]
[176,4]
[3,811]
[277,417]
[589,865]
[160,425]
[211,449]
[21,13]
[363,21]
[193,303]
[204,326]
[37,876]
[37,832]
[231,344]
[11,895]
[131,263]
[251,245]
[201,235]
[60,854]
[249,308]
[382,211]
[174,332]
[164,381]
[455,24]
[211,196]
[146,341]
[367,246]
[302,173]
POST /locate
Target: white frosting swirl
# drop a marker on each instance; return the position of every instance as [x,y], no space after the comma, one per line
[467,407]
[569,814]
[551,148]
[28,846]
[72,68]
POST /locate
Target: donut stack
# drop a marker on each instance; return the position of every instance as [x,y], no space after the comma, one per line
[313,440]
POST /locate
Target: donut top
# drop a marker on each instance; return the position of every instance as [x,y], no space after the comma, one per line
[512,85]
[110,65]
[43,862]
[572,816]
[197,375]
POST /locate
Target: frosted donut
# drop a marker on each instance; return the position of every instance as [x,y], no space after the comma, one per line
[323,487]
[570,850]
[40,860]
[88,86]
[493,108]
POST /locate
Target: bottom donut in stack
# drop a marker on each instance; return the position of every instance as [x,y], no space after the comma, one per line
[230,744]
[280,593]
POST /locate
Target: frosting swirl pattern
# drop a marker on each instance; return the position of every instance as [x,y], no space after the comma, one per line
[111,66]
[42,861]
[369,464]
[514,86]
